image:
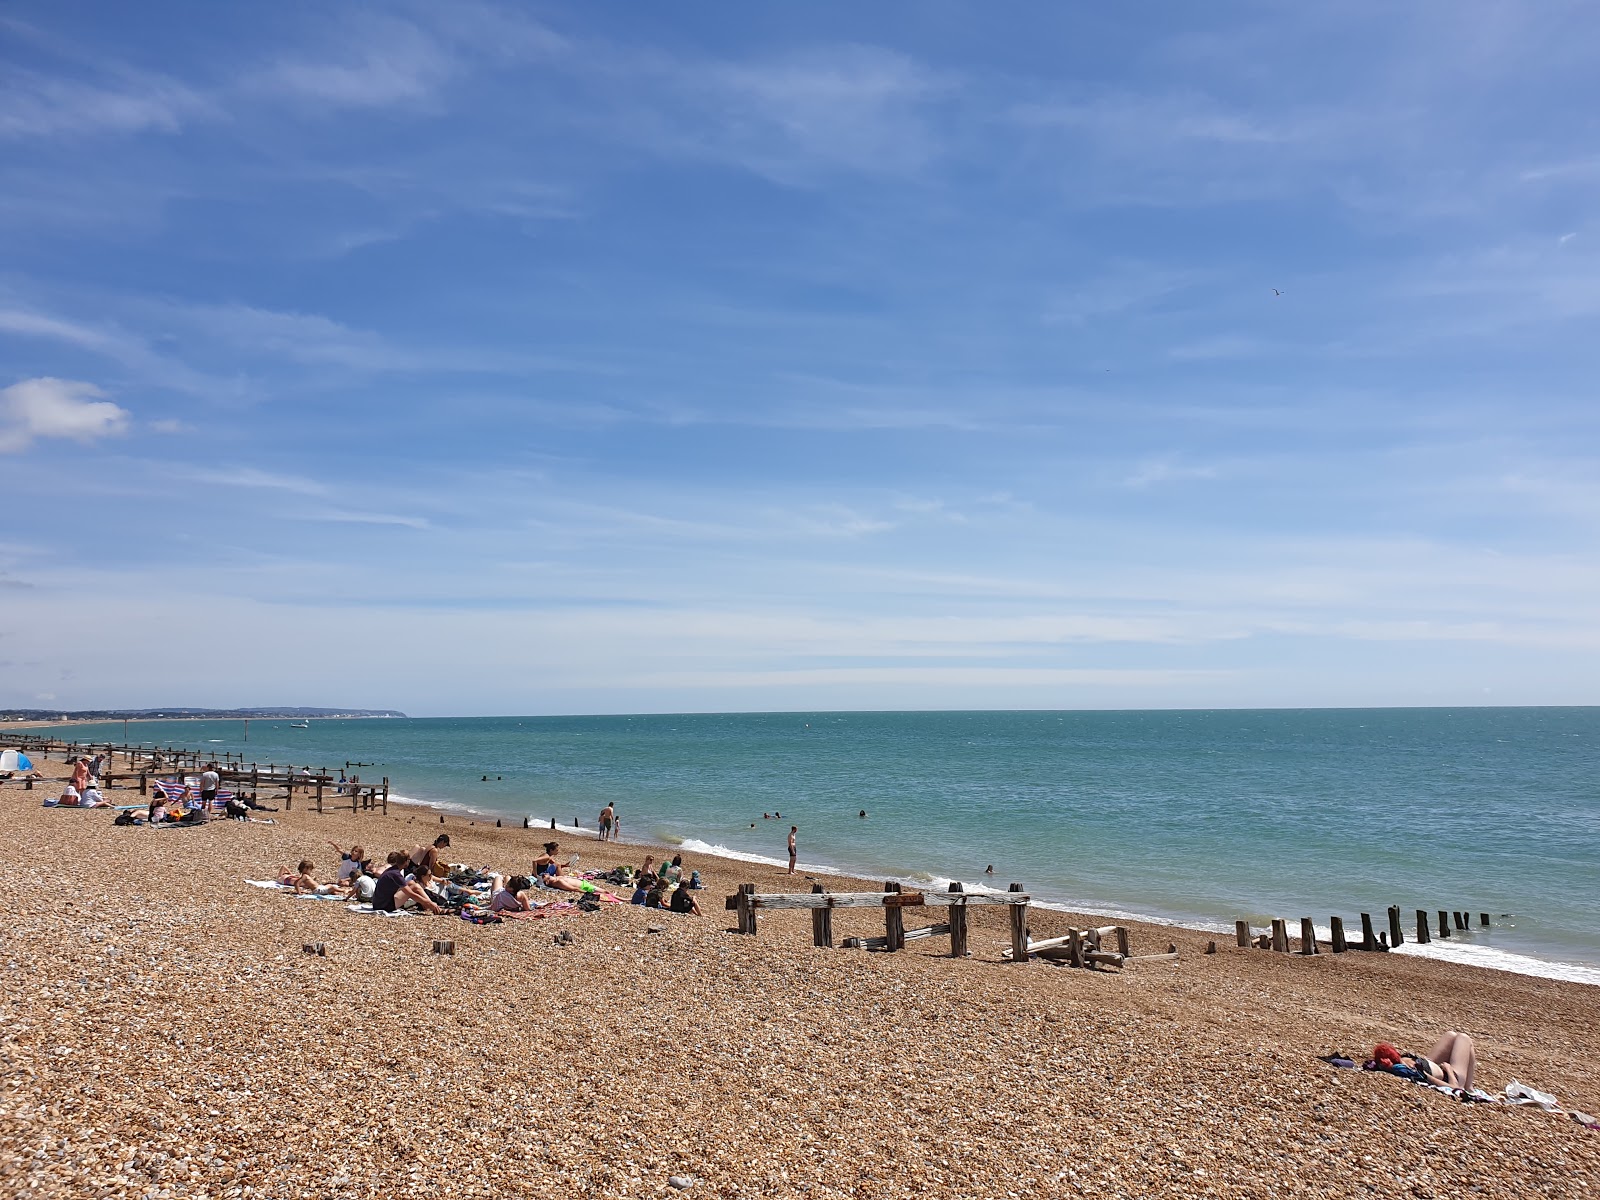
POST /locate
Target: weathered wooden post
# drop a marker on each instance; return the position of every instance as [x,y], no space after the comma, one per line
[1280,935]
[385,795]
[1483,919]
[1461,920]
[747,911]
[1075,947]
[1308,936]
[144,784]
[958,922]
[1395,936]
[1444,924]
[1336,934]
[1019,928]
[1423,936]
[1369,940]
[821,922]
[894,922]
[319,793]
[1122,942]
[1241,932]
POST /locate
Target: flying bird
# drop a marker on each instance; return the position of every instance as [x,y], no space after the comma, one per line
[1276,292]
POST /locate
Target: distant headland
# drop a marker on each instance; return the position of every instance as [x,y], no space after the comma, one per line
[185,714]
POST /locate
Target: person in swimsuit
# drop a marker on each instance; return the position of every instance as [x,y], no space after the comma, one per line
[606,815]
[511,895]
[793,829]
[1453,1061]
[303,881]
[425,859]
[546,866]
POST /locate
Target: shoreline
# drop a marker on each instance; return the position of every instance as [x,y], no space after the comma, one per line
[1457,950]
[771,1067]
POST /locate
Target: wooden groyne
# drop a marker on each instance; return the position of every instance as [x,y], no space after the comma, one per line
[1079,948]
[1277,938]
[149,764]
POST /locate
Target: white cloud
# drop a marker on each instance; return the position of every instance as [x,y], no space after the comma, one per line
[56,408]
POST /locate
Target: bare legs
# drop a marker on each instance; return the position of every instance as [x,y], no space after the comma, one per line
[1456,1057]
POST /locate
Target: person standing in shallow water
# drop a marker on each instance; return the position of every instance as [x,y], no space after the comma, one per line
[793,829]
[606,815]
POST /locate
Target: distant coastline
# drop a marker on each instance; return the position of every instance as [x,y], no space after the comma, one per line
[51,716]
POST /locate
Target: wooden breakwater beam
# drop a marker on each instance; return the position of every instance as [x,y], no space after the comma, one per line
[1241,932]
[1280,935]
[748,904]
[1423,936]
[1444,923]
[1396,938]
[1336,935]
[1483,919]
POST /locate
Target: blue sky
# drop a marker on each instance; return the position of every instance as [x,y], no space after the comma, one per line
[480,358]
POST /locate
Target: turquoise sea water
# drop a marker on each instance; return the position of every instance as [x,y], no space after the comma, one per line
[1194,817]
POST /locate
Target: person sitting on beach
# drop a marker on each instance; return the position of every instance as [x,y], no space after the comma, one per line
[237,809]
[1453,1061]
[648,866]
[395,891]
[158,810]
[684,903]
[353,861]
[92,798]
[425,859]
[642,889]
[657,894]
[545,866]
[511,895]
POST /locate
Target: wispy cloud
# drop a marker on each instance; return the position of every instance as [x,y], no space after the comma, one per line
[344,517]
[34,105]
[253,477]
[1166,470]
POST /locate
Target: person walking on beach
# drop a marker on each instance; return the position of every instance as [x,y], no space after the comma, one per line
[606,815]
[793,829]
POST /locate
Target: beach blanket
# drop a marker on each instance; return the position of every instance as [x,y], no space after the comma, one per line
[272,885]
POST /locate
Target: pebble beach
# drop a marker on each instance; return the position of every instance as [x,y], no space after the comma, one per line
[163,1033]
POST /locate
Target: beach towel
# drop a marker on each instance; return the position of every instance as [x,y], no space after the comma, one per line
[366,910]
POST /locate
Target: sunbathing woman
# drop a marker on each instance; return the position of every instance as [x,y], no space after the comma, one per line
[1453,1062]
[425,860]
[546,865]
[511,895]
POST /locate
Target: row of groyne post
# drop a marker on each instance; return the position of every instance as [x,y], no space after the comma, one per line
[322,786]
[1276,938]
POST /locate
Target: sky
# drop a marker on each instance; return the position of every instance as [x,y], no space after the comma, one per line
[571,358]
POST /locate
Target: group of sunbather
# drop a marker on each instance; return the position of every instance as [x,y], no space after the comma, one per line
[421,879]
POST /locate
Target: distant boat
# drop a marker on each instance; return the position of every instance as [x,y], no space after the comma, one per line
[299,724]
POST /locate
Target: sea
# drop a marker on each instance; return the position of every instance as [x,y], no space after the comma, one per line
[1195,818]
